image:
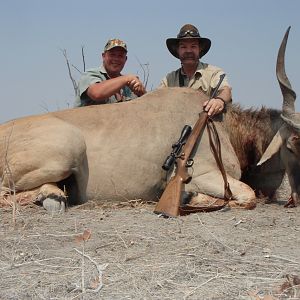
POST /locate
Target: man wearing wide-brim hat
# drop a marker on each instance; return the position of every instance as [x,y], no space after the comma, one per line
[189,47]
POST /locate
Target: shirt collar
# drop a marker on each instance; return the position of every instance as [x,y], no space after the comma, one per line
[199,69]
[103,71]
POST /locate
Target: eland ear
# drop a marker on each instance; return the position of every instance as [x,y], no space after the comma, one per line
[275,145]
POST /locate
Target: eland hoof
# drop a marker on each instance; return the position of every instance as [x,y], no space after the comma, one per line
[54,206]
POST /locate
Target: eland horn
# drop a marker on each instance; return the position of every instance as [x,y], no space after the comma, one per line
[289,96]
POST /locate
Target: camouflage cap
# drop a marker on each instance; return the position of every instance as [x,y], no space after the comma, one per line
[112,43]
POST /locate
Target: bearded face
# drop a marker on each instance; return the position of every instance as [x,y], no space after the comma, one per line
[189,51]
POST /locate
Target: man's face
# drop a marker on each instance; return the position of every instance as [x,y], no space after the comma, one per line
[114,61]
[188,51]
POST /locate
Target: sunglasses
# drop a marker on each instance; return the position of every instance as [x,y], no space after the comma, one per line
[192,33]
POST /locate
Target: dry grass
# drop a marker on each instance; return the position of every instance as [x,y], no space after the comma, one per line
[230,254]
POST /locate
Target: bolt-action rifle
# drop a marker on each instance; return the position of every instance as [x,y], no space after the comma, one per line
[170,201]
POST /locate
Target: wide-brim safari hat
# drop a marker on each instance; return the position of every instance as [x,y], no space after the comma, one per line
[188,31]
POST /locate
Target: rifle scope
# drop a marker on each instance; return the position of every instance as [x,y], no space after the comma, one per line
[177,147]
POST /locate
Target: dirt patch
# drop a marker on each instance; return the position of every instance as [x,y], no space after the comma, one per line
[134,254]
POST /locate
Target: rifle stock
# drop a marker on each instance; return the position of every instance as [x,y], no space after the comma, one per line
[170,201]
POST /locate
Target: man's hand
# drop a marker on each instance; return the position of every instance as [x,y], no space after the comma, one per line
[137,87]
[214,106]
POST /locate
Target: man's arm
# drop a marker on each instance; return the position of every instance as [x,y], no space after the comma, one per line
[217,105]
[100,91]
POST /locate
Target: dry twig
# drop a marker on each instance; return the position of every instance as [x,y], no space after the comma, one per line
[75,85]
[146,72]
[199,286]
[100,269]
[231,249]
[7,172]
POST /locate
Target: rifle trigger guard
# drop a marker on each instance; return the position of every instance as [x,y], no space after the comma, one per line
[189,163]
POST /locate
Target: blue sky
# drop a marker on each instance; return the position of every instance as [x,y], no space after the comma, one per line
[245,38]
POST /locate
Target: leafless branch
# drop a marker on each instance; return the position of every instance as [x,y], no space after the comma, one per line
[83,57]
[146,72]
[44,107]
[76,69]
[75,86]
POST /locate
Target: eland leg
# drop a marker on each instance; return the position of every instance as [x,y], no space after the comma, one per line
[210,186]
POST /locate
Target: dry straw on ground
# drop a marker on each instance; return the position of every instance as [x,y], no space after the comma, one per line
[131,253]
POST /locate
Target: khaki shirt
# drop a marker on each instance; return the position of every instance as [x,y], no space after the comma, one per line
[205,78]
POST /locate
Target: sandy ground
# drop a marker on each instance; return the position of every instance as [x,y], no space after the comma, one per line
[127,252]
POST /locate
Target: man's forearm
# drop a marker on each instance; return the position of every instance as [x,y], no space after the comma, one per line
[225,94]
[105,89]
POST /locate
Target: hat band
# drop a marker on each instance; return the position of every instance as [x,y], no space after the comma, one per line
[192,33]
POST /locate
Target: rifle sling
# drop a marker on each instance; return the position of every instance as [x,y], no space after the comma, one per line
[181,78]
[215,146]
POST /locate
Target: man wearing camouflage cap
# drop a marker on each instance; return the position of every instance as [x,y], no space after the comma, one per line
[106,84]
[189,47]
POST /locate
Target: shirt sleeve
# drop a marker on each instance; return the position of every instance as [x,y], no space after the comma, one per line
[163,83]
[88,78]
[216,77]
